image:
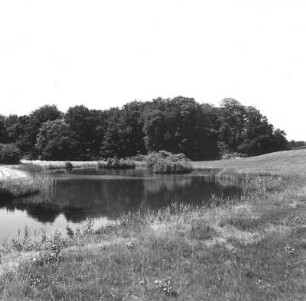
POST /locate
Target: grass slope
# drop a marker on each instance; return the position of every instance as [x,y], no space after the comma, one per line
[291,162]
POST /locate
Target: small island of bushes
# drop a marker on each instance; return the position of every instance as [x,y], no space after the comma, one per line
[164,162]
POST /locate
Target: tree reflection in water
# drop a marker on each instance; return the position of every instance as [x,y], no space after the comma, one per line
[96,194]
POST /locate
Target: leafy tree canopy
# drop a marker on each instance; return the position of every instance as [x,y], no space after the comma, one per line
[56,141]
[177,125]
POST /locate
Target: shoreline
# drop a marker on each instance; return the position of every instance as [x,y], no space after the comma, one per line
[285,163]
[247,248]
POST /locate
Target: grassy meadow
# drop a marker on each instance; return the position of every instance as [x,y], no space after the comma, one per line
[291,163]
[249,248]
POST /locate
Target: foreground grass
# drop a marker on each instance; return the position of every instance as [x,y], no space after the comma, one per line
[252,248]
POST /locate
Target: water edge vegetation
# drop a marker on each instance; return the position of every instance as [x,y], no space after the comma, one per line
[22,180]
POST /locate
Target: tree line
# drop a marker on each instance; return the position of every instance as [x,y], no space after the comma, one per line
[177,125]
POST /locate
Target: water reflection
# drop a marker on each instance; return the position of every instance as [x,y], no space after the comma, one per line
[92,194]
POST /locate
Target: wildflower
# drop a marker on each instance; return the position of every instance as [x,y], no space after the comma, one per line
[130,245]
[36,280]
[70,232]
[165,286]
[289,249]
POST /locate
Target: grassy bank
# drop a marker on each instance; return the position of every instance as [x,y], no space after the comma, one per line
[32,177]
[249,248]
[291,163]
[75,164]
[60,164]
[19,180]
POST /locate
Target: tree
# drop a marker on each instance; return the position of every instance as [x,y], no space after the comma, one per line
[82,124]
[45,113]
[257,133]
[245,130]
[21,136]
[56,141]
[296,144]
[179,125]
[11,125]
[99,123]
[9,154]
[232,120]
[279,141]
[29,127]
[132,118]
[124,134]
[155,127]
[3,131]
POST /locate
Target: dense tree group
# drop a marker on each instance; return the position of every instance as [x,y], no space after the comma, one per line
[178,125]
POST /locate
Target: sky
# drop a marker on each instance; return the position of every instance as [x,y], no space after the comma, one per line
[105,53]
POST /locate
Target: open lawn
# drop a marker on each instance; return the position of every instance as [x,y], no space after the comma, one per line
[250,248]
[291,162]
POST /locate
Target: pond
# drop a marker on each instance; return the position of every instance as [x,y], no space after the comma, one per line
[104,195]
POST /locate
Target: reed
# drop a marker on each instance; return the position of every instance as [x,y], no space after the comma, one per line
[38,180]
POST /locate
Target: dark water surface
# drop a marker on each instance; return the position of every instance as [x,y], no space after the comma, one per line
[104,195]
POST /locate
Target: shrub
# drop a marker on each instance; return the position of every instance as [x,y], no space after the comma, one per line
[115,163]
[109,163]
[68,165]
[234,155]
[9,154]
[126,164]
[140,157]
[101,164]
[154,157]
[242,223]
[168,163]
[201,231]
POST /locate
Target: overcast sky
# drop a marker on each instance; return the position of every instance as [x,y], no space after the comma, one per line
[106,53]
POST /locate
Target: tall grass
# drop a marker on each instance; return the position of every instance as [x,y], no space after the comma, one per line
[259,182]
[38,180]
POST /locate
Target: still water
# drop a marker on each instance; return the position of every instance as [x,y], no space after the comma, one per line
[105,195]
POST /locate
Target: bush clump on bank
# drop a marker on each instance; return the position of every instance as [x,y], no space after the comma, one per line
[68,165]
[164,162]
[9,154]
